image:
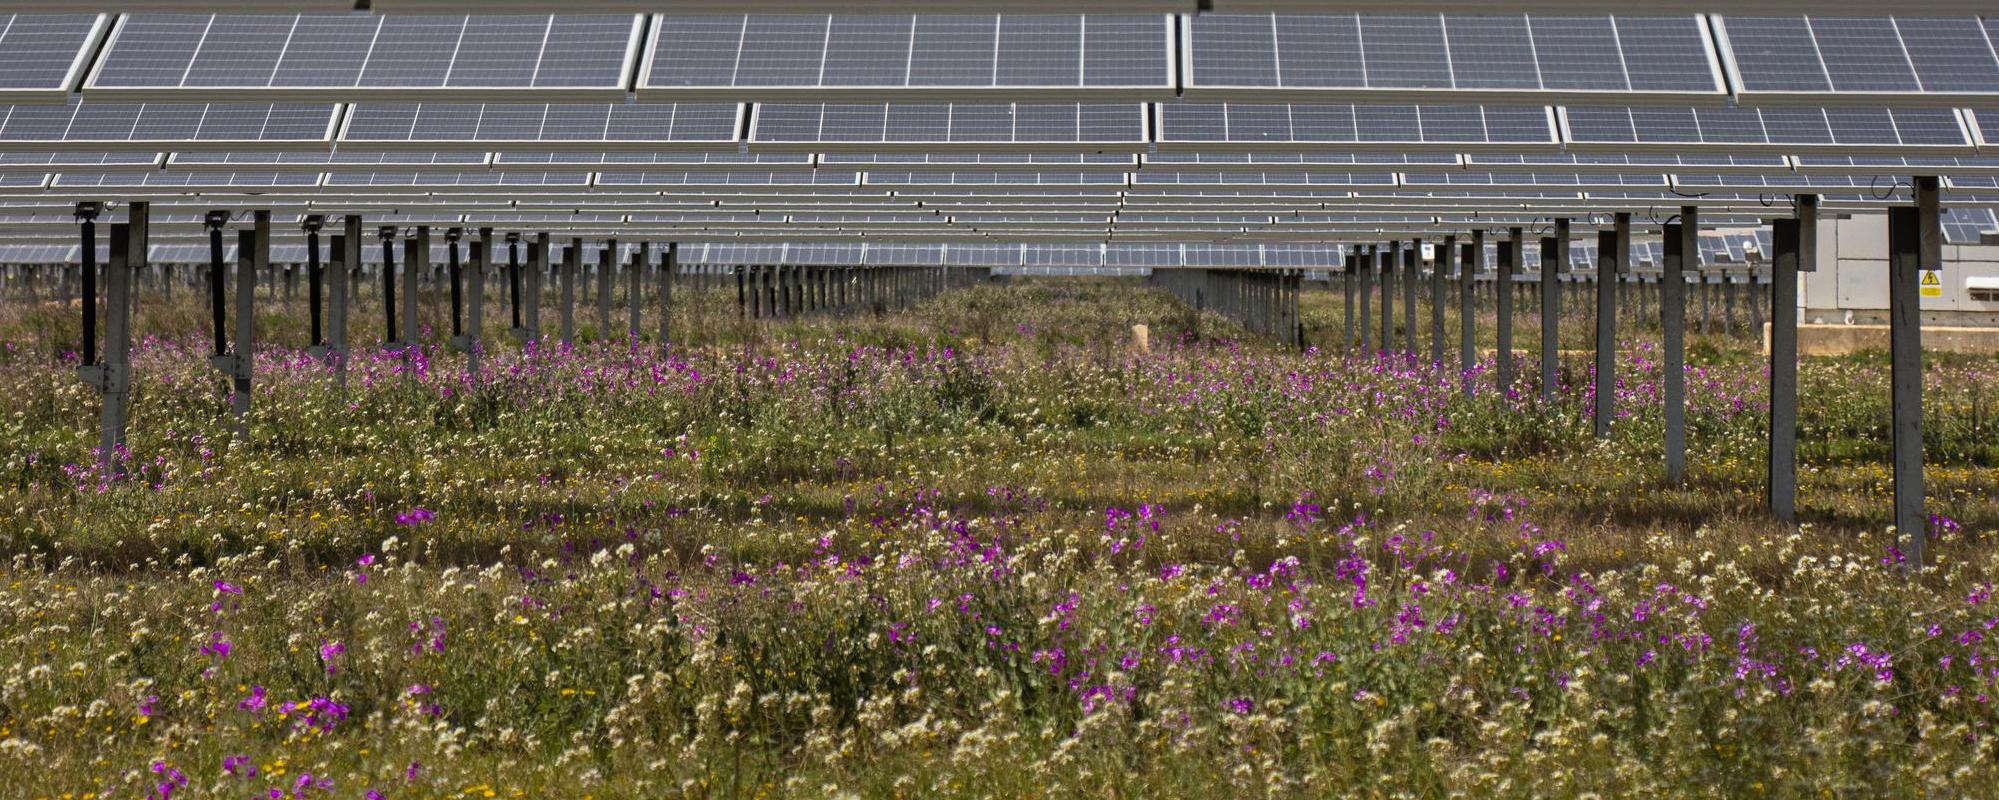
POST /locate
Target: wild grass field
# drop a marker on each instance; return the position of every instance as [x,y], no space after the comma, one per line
[983,548]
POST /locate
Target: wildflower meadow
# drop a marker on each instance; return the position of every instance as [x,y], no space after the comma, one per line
[985,548]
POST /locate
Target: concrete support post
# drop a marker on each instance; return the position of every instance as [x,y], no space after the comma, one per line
[1910,241]
[1386,256]
[475,316]
[1682,246]
[1412,273]
[607,264]
[669,268]
[634,297]
[1347,288]
[246,330]
[415,266]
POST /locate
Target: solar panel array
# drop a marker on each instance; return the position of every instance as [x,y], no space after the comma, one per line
[908,129]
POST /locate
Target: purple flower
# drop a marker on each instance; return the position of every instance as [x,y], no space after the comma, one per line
[255,702]
[238,766]
[417,515]
[329,654]
[1241,705]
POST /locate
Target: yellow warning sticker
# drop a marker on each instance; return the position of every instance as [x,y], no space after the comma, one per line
[1932,283]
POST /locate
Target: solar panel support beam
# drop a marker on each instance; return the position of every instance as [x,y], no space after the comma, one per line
[607,261]
[1781,471]
[246,327]
[1605,374]
[537,266]
[1474,253]
[1440,269]
[633,297]
[1905,265]
[415,266]
[1386,255]
[572,258]
[1682,242]
[668,265]
[1510,255]
[1554,254]
[111,375]
[1411,275]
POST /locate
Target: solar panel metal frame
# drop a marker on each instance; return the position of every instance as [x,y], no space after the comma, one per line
[705,161]
[972,161]
[76,162]
[645,91]
[349,94]
[78,64]
[1940,165]
[1921,98]
[1194,91]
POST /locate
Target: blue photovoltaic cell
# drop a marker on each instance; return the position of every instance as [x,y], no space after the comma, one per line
[1863,55]
[326,52]
[1516,53]
[802,51]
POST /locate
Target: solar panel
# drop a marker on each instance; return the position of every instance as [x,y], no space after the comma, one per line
[1565,180]
[1105,162]
[868,126]
[1415,127]
[704,161]
[1620,162]
[1896,165]
[333,162]
[39,163]
[155,179]
[591,127]
[1883,186]
[1205,179]
[1409,57]
[690,178]
[1213,159]
[997,178]
[443,179]
[1968,225]
[319,56]
[1889,59]
[843,56]
[1786,130]
[43,56]
[97,126]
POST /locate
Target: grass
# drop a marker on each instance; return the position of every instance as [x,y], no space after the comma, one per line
[984,549]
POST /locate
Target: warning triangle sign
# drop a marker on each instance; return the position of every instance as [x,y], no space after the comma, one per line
[1930,278]
[1932,284]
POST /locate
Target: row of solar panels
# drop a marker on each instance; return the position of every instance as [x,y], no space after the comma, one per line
[1718,250]
[1097,127]
[776,57]
[80,162]
[1193,182]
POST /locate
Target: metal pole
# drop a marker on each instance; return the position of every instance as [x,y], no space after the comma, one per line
[632,294]
[514,283]
[1510,255]
[537,267]
[606,262]
[572,259]
[1781,473]
[1412,269]
[1366,290]
[1474,253]
[112,376]
[1682,245]
[348,245]
[314,275]
[388,234]
[475,323]
[1386,255]
[1606,331]
[1440,271]
[669,264]
[1346,286]
[1554,256]
[246,326]
[415,265]
[1905,265]
[456,275]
